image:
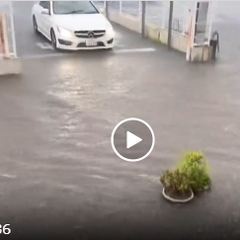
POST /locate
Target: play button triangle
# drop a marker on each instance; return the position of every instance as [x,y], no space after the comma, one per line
[132,140]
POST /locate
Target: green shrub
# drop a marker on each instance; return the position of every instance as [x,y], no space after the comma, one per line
[195,167]
[175,181]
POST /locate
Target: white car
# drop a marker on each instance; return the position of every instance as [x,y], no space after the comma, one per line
[73,25]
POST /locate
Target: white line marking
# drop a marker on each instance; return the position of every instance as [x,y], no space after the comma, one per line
[98,177]
[135,50]
[44,46]
[120,51]
[40,56]
[8,176]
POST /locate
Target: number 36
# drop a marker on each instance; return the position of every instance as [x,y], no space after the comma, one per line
[5,229]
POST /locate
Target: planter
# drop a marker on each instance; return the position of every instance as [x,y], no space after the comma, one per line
[175,200]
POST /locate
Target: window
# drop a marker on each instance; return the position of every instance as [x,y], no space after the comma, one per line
[74,7]
[45,4]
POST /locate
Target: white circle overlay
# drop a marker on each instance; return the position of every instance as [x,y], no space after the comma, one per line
[131,120]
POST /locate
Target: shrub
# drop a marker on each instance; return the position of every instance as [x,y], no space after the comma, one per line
[176,181]
[195,167]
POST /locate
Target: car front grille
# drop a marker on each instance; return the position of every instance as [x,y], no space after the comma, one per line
[90,34]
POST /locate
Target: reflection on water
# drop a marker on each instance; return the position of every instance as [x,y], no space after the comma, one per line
[85,88]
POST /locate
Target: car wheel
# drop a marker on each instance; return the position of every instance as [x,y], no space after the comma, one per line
[53,40]
[35,25]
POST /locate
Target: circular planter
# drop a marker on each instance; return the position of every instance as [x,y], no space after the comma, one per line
[173,200]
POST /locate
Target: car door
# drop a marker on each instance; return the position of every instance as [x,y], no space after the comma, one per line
[45,15]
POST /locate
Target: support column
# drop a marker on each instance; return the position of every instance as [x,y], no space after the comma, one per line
[3,36]
[143,22]
[9,63]
[198,48]
[170,23]
[107,9]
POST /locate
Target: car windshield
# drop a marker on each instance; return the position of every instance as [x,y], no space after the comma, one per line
[74,7]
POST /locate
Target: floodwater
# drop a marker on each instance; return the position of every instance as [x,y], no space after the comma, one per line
[59,177]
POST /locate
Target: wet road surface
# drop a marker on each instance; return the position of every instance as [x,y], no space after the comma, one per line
[59,176]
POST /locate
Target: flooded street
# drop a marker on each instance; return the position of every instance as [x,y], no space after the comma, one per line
[59,176]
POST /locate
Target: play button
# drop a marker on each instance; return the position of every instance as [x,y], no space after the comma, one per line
[132,140]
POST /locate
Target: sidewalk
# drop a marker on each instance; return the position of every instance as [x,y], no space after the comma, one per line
[226,21]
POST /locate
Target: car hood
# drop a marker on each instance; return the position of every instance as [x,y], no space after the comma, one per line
[75,22]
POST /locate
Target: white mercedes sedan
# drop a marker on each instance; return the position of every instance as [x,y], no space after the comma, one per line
[73,25]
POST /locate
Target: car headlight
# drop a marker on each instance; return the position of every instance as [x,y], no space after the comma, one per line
[64,32]
[110,32]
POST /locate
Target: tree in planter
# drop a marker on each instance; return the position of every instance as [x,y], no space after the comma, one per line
[195,166]
[176,185]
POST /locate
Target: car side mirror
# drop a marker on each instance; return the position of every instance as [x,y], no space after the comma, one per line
[45,12]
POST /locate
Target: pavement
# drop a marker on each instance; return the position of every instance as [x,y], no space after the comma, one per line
[224,14]
[59,177]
